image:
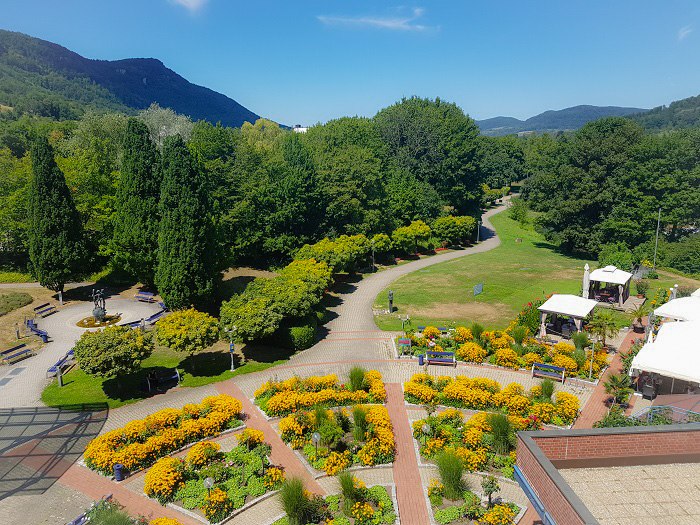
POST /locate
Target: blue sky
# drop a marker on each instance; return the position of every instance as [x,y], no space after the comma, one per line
[309,61]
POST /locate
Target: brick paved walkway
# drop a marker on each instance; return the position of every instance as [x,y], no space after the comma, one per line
[281,454]
[409,488]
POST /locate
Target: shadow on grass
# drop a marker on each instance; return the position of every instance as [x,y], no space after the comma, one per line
[266,354]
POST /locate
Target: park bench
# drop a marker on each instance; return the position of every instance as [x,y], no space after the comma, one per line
[33,328]
[44,309]
[421,328]
[161,377]
[145,297]
[153,318]
[548,371]
[64,362]
[16,353]
[442,358]
[132,324]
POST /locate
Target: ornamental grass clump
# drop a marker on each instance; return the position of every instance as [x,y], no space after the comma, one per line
[359,417]
[502,432]
[357,378]
[547,386]
[451,470]
[351,490]
[296,502]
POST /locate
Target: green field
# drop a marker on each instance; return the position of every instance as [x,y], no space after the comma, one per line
[201,369]
[513,274]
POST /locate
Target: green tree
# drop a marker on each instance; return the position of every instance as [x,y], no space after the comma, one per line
[616,254]
[252,317]
[489,486]
[603,325]
[408,237]
[112,352]
[55,232]
[135,243]
[187,258]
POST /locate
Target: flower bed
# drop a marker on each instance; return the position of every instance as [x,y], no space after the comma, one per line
[472,440]
[501,348]
[366,437]
[240,475]
[481,393]
[139,443]
[373,506]
[468,509]
[279,398]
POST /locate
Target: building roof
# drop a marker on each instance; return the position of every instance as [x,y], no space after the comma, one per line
[674,353]
[566,304]
[681,309]
[610,274]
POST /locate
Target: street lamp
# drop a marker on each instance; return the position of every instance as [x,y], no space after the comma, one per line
[426,430]
[316,439]
[231,346]
[478,229]
[208,484]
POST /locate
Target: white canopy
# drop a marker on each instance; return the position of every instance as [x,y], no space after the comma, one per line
[566,304]
[681,309]
[696,293]
[610,275]
[675,353]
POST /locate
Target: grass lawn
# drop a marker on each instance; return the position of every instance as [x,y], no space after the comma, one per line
[201,369]
[513,274]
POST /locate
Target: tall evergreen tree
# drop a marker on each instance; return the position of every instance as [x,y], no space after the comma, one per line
[56,248]
[134,244]
[186,269]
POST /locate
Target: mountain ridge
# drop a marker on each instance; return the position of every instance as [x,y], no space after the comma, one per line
[32,68]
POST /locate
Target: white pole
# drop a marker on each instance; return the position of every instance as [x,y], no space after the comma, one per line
[656,244]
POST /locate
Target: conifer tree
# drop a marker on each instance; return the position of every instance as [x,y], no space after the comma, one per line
[186,241]
[135,241]
[55,230]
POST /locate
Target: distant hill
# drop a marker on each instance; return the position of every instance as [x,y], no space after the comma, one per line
[44,78]
[553,120]
[683,113]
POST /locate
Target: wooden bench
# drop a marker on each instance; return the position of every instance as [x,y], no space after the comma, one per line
[64,362]
[160,377]
[441,358]
[549,371]
[44,309]
[145,297]
[16,353]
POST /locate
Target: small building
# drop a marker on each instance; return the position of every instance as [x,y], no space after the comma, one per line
[298,128]
[609,285]
[609,476]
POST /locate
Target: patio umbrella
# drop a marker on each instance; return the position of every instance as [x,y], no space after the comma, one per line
[586,281]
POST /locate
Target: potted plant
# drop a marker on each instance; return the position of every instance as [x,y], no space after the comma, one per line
[637,314]
[642,287]
[619,387]
[602,325]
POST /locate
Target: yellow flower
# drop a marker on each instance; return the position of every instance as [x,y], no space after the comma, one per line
[507,357]
[498,515]
[202,453]
[462,335]
[471,352]
[217,505]
[251,437]
[336,462]
[431,332]
[163,479]
[164,521]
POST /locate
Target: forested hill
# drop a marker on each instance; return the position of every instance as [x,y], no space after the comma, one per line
[683,113]
[44,78]
[553,120]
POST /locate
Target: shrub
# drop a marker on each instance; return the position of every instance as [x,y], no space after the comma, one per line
[616,254]
[471,352]
[111,513]
[580,340]
[642,286]
[217,505]
[499,515]
[431,332]
[187,331]
[547,386]
[451,469]
[302,336]
[448,515]
[502,432]
[163,479]
[350,488]
[357,378]
[359,417]
[477,330]
[506,357]
[489,486]
[462,335]
[295,501]
[112,352]
[519,333]
[566,362]
[202,453]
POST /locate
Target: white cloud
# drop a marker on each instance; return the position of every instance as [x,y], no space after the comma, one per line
[684,31]
[394,23]
[191,5]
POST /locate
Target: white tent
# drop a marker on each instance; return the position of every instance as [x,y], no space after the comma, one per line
[681,309]
[696,293]
[612,275]
[565,304]
[675,353]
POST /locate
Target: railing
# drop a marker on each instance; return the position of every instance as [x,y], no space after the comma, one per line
[666,415]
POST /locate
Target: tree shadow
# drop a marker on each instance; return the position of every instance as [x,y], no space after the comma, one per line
[205,364]
[236,285]
[265,353]
[344,288]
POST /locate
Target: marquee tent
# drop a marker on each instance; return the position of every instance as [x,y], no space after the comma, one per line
[674,353]
[681,309]
[611,275]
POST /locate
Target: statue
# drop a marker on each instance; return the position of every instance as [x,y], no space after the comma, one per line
[391,301]
[100,310]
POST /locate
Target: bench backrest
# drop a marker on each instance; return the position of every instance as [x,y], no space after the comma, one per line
[10,350]
[545,366]
[447,354]
[42,306]
[146,294]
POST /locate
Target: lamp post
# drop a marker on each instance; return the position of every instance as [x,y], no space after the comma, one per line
[208,484]
[231,346]
[425,429]
[316,439]
[478,229]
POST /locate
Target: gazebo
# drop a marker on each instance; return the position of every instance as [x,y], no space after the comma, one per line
[571,306]
[681,309]
[608,285]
